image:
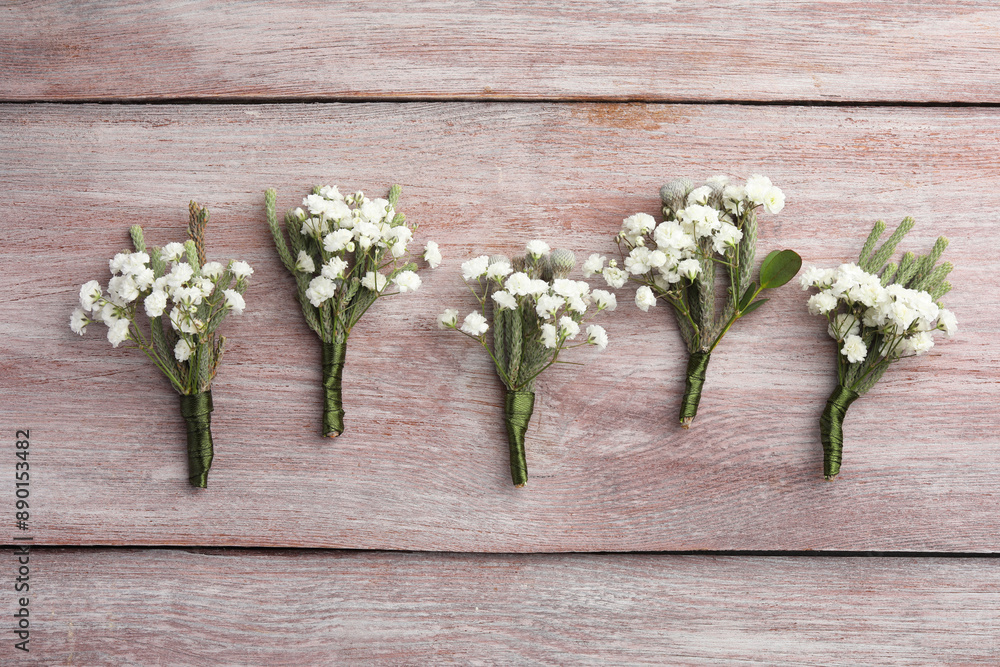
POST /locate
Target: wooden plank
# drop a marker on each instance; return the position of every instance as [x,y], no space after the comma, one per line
[423,463]
[112,607]
[835,50]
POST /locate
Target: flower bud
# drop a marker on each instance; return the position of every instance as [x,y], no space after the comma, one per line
[675,192]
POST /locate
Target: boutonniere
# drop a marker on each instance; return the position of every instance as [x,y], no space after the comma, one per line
[345,252]
[708,235]
[536,312]
[185,299]
[878,311]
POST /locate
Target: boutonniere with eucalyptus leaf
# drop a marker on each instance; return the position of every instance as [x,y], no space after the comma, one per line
[536,312]
[345,252]
[185,299]
[878,311]
[708,234]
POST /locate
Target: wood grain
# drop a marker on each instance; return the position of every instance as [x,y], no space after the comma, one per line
[656,50]
[230,607]
[423,463]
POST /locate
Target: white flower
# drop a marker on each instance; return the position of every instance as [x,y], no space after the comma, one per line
[118,332]
[240,269]
[188,296]
[173,252]
[814,277]
[605,300]
[822,303]
[594,264]
[90,295]
[315,203]
[334,268]
[505,300]
[181,319]
[854,349]
[498,270]
[475,267]
[320,289]
[109,314]
[143,279]
[700,195]
[314,227]
[596,335]
[432,254]
[299,214]
[568,327]
[547,305]
[844,325]
[644,298]
[337,240]
[689,268]
[407,281]
[331,192]
[947,322]
[304,263]
[155,303]
[537,248]
[699,221]
[475,324]
[117,263]
[374,281]
[519,284]
[549,336]
[757,189]
[78,321]
[919,343]
[448,319]
[614,277]
[122,290]
[183,350]
[636,226]
[179,274]
[774,200]
[732,198]
[577,305]
[134,263]
[537,287]
[569,288]
[638,262]
[725,237]
[234,301]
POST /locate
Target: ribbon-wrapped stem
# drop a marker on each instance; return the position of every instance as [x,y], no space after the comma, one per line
[517,409]
[197,412]
[333,404]
[695,380]
[831,428]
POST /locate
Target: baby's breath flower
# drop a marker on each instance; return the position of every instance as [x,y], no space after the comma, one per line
[596,335]
[475,268]
[547,304]
[757,189]
[498,270]
[537,248]
[432,254]
[822,303]
[183,350]
[304,263]
[407,281]
[173,252]
[234,301]
[774,200]
[854,349]
[614,277]
[644,298]
[519,284]
[90,295]
[240,269]
[320,289]
[947,322]
[475,324]
[334,268]
[549,338]
[504,300]
[594,264]
[374,281]
[155,303]
[337,240]
[448,319]
[568,327]
[605,300]
[118,332]
[78,321]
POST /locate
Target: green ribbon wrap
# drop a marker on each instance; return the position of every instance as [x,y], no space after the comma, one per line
[695,380]
[333,404]
[517,409]
[197,412]
[831,428]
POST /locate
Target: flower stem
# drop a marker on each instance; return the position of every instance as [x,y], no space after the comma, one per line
[518,406]
[831,428]
[694,381]
[197,412]
[334,355]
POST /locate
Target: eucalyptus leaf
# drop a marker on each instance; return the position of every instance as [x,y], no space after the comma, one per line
[779,267]
[748,296]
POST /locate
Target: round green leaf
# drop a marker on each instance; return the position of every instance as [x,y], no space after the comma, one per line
[778,268]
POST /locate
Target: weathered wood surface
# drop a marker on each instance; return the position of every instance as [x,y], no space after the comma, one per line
[423,464]
[923,51]
[225,607]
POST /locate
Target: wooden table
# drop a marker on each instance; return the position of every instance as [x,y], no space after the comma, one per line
[402,541]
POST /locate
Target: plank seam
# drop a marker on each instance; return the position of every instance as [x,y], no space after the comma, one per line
[235,101]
